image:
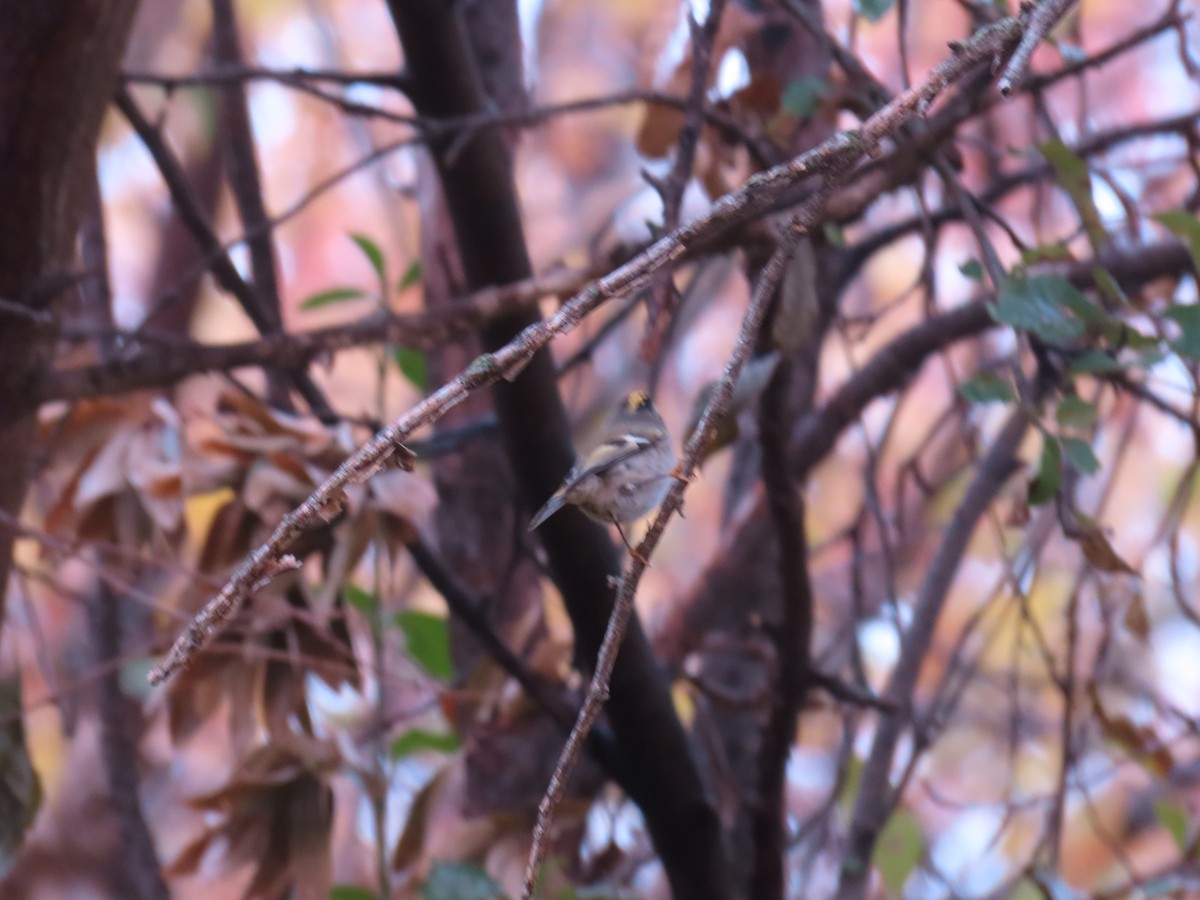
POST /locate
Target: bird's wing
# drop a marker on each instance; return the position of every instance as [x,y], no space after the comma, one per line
[604,457]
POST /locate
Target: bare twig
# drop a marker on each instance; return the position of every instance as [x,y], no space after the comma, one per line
[663,297]
[1043,18]
[246,184]
[232,74]
[470,611]
[138,874]
[875,796]
[1099,142]
[166,362]
[190,212]
[623,609]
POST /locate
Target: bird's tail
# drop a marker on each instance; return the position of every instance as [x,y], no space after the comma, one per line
[553,505]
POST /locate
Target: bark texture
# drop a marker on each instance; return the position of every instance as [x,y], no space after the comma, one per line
[58,68]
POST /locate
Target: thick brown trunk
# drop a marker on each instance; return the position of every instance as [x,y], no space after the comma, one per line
[58,67]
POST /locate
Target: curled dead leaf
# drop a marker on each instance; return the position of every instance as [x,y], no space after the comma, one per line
[1136,619]
[1140,741]
[1098,551]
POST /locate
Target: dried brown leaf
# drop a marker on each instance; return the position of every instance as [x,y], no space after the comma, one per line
[412,839]
[659,131]
[1136,620]
[1100,553]
[1141,742]
[403,495]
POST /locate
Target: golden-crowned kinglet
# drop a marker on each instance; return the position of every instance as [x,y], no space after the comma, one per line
[626,474]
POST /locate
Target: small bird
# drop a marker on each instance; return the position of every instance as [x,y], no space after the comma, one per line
[626,474]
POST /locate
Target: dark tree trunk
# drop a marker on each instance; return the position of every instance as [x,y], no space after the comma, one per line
[58,68]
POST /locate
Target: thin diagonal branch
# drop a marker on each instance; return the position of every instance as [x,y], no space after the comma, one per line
[623,609]
[246,184]
[190,213]
[750,200]
[876,798]
[469,610]
[664,298]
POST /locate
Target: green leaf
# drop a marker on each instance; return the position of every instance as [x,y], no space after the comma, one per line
[1081,456]
[428,640]
[413,365]
[1092,362]
[802,97]
[351,892]
[1075,412]
[900,847]
[135,676]
[411,276]
[330,297]
[359,599]
[1072,176]
[1077,302]
[1046,253]
[1170,885]
[873,10]
[850,784]
[972,268]
[1174,818]
[373,254]
[1047,306]
[1149,344]
[1188,319]
[20,787]
[1108,286]
[986,388]
[459,881]
[1071,53]
[417,739]
[1044,883]
[1185,226]
[1045,484]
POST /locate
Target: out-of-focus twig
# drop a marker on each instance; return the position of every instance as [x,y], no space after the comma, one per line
[470,611]
[663,299]
[623,609]
[138,873]
[191,214]
[166,362]
[246,184]
[875,798]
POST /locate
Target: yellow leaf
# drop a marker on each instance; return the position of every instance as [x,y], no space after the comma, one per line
[199,510]
[685,706]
